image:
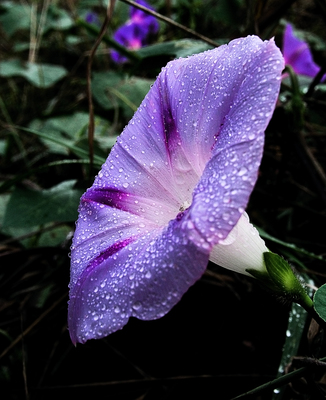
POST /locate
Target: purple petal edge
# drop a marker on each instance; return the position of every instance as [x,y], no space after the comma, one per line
[297,54]
[196,177]
[144,279]
[74,293]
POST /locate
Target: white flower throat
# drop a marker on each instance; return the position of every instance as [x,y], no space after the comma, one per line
[186,204]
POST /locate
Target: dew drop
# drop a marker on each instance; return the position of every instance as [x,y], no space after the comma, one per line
[148,275]
[136,306]
[242,171]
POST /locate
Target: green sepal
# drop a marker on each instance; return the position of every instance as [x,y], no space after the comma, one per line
[281,273]
[320,302]
[281,279]
[263,278]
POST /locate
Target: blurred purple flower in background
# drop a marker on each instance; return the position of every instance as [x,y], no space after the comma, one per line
[172,193]
[131,37]
[297,54]
[135,33]
[92,18]
[148,23]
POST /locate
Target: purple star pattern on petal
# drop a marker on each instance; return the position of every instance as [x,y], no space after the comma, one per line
[173,187]
[297,54]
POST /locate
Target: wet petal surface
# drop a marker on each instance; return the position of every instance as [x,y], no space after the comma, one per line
[174,185]
[143,278]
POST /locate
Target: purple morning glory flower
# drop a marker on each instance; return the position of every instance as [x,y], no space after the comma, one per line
[297,54]
[131,37]
[135,33]
[92,18]
[172,193]
[146,21]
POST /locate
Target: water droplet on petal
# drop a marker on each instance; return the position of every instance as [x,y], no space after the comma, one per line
[136,306]
[148,275]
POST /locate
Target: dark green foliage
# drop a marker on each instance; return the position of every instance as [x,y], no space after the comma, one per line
[320,302]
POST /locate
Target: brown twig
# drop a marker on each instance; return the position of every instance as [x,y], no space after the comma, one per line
[89,85]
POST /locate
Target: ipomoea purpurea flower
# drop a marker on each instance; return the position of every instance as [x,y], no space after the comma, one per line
[135,32]
[297,54]
[172,193]
[148,23]
[92,18]
[129,36]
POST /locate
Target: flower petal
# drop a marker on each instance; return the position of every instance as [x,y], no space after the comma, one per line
[230,175]
[208,91]
[190,141]
[297,54]
[148,159]
[148,22]
[144,278]
[130,36]
[242,249]
[100,226]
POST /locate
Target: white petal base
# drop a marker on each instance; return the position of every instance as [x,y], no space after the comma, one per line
[242,249]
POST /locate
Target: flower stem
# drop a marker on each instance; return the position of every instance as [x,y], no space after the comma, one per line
[307,303]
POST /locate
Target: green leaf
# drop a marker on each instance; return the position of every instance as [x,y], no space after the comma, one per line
[8,183]
[15,17]
[18,17]
[39,75]
[28,208]
[320,302]
[68,129]
[73,125]
[177,48]
[293,335]
[53,237]
[111,90]
[72,131]
[267,236]
[65,143]
[3,146]
[4,199]
[57,19]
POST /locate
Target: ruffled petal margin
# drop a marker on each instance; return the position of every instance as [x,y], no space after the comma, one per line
[143,278]
[229,177]
[173,186]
